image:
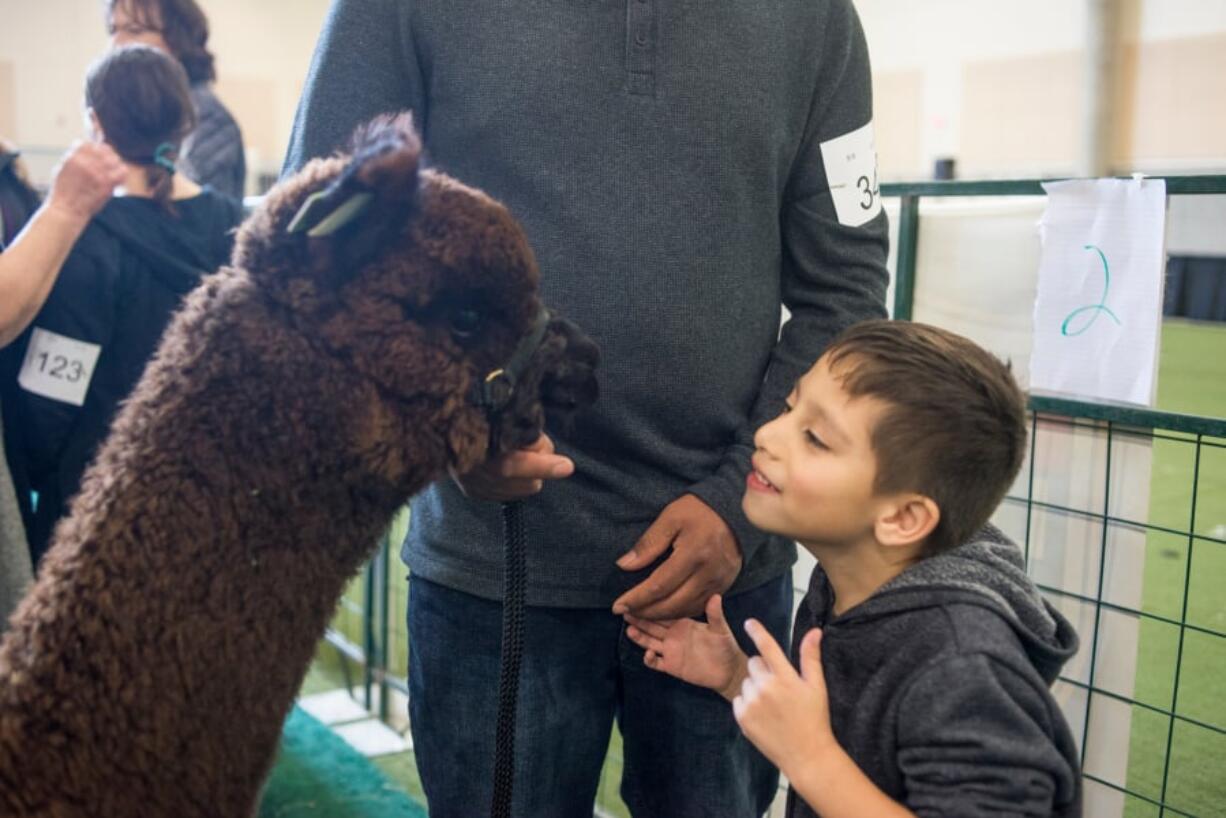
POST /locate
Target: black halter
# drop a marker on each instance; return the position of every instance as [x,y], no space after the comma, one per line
[494,392]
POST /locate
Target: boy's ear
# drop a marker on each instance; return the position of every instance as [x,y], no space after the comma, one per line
[907,520]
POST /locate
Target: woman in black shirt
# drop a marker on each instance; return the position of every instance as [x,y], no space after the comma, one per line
[122,282]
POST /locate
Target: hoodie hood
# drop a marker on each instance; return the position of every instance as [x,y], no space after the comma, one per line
[989,571]
[178,249]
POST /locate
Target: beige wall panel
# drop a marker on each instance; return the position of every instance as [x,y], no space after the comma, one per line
[253,101]
[1020,116]
[898,110]
[8,101]
[1177,111]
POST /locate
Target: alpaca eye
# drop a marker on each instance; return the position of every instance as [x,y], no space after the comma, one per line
[465,323]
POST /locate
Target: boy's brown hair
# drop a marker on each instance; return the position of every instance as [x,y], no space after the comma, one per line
[955,427]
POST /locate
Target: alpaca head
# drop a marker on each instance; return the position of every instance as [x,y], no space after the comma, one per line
[423,286]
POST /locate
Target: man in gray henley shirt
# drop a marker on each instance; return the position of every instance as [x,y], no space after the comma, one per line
[682,169]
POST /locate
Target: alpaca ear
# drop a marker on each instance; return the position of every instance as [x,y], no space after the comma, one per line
[326,211]
[368,205]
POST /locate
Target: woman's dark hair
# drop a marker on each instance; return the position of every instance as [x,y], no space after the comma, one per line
[141,99]
[182,25]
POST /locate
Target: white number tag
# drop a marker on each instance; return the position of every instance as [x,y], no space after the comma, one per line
[58,367]
[851,169]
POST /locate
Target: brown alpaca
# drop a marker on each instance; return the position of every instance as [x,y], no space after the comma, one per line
[298,399]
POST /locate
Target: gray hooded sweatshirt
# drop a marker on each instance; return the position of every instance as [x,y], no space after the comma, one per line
[939,686]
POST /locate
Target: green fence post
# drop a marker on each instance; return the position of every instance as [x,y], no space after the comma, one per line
[908,243]
[368,634]
[385,615]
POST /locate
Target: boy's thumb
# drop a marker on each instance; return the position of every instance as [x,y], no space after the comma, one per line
[811,656]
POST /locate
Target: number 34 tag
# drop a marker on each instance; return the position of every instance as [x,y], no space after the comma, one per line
[851,169]
[58,367]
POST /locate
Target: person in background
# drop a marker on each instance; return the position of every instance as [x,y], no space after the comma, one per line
[38,236]
[124,278]
[213,152]
[18,198]
[34,242]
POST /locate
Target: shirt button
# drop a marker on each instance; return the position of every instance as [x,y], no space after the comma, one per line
[641,38]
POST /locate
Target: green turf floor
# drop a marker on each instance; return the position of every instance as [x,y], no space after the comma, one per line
[1192,380]
[318,775]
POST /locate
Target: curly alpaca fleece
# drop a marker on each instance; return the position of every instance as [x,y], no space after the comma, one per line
[298,399]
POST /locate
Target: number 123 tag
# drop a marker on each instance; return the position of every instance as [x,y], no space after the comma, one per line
[58,367]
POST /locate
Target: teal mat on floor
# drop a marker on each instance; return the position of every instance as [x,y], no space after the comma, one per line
[318,775]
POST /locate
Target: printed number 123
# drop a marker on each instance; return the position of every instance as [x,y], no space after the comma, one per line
[61,367]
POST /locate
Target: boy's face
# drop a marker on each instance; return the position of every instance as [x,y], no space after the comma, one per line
[814,466]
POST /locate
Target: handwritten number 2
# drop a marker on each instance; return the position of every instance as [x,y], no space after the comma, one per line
[1067,329]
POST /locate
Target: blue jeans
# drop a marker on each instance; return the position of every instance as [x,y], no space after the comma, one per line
[684,754]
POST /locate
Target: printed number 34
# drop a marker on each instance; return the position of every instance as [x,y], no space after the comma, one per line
[61,367]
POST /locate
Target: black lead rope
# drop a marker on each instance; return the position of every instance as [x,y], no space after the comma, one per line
[493,395]
[515,583]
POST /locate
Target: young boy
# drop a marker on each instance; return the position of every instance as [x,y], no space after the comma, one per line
[925,652]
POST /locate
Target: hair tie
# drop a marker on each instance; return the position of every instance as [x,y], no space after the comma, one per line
[161,159]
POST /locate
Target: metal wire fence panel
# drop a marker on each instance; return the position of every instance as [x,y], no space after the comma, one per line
[1140,575]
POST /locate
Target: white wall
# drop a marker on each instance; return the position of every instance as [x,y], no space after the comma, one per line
[942,43]
[995,83]
[263,50]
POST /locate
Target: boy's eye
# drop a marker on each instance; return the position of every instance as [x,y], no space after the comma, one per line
[814,440]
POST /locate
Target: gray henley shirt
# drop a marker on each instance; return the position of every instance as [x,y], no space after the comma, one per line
[683,169]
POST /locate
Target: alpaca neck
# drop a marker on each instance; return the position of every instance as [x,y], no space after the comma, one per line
[210,545]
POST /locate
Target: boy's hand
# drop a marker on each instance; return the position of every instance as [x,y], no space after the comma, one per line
[785,714]
[706,560]
[704,654]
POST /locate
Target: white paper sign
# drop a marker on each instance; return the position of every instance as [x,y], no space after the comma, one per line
[58,367]
[851,170]
[1098,312]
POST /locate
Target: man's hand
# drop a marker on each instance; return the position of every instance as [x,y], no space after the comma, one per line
[516,475]
[701,653]
[84,180]
[784,713]
[706,559]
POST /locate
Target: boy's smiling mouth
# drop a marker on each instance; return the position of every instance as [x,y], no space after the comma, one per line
[757,481]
